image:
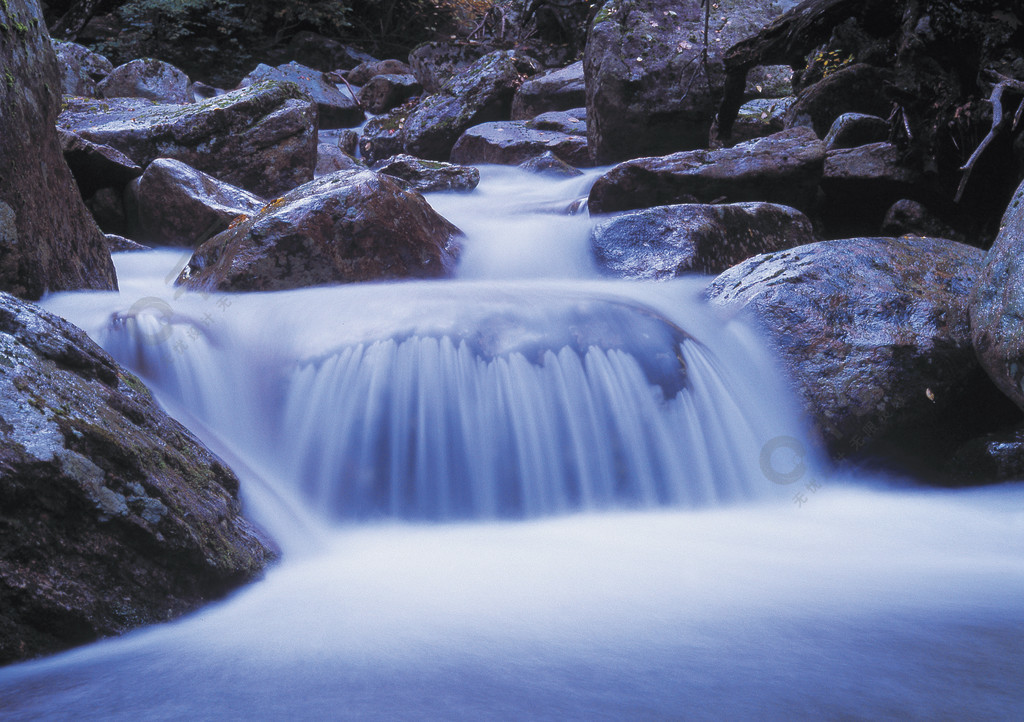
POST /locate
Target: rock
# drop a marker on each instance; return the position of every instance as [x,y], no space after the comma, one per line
[548,164]
[147,78]
[181,206]
[201,91]
[366,71]
[992,458]
[561,89]
[997,305]
[648,91]
[669,241]
[759,118]
[48,240]
[95,166]
[346,227]
[850,130]
[481,93]
[384,92]
[81,68]
[261,138]
[383,137]
[784,168]
[336,109]
[120,244]
[112,515]
[322,53]
[435,63]
[874,333]
[860,184]
[427,176]
[570,122]
[331,159]
[910,218]
[510,142]
[858,88]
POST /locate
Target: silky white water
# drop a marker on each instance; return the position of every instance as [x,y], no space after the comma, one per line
[529,493]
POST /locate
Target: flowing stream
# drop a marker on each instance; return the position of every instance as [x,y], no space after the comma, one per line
[528,493]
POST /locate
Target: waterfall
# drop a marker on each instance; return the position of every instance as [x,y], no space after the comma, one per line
[528,493]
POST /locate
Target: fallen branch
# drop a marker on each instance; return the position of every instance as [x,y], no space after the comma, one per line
[996,99]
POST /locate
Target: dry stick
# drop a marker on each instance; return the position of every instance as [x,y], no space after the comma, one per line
[352,93]
[996,99]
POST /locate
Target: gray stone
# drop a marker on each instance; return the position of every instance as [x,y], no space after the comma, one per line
[383,92]
[427,176]
[335,109]
[850,130]
[511,142]
[147,78]
[560,89]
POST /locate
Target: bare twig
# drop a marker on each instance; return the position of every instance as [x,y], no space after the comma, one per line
[996,100]
[351,92]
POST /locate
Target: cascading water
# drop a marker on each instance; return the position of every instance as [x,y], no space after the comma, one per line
[604,539]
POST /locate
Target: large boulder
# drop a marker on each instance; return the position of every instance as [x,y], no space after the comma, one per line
[112,515]
[669,241]
[366,71]
[81,69]
[345,227]
[997,305]
[511,142]
[427,176]
[649,91]
[850,130]
[147,78]
[261,138]
[383,136]
[561,89]
[336,109]
[858,88]
[181,206]
[48,241]
[784,168]
[435,63]
[383,92]
[875,334]
[571,122]
[481,93]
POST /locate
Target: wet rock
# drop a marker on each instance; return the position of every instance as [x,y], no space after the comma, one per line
[261,138]
[112,515]
[997,305]
[910,218]
[366,71]
[873,332]
[434,64]
[383,92]
[859,88]
[346,227]
[850,130]
[648,90]
[335,109]
[860,184]
[549,164]
[81,69]
[120,244]
[511,142]
[669,241]
[426,176]
[331,159]
[95,166]
[561,89]
[992,458]
[147,78]
[481,93]
[784,168]
[383,136]
[570,122]
[48,240]
[181,206]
